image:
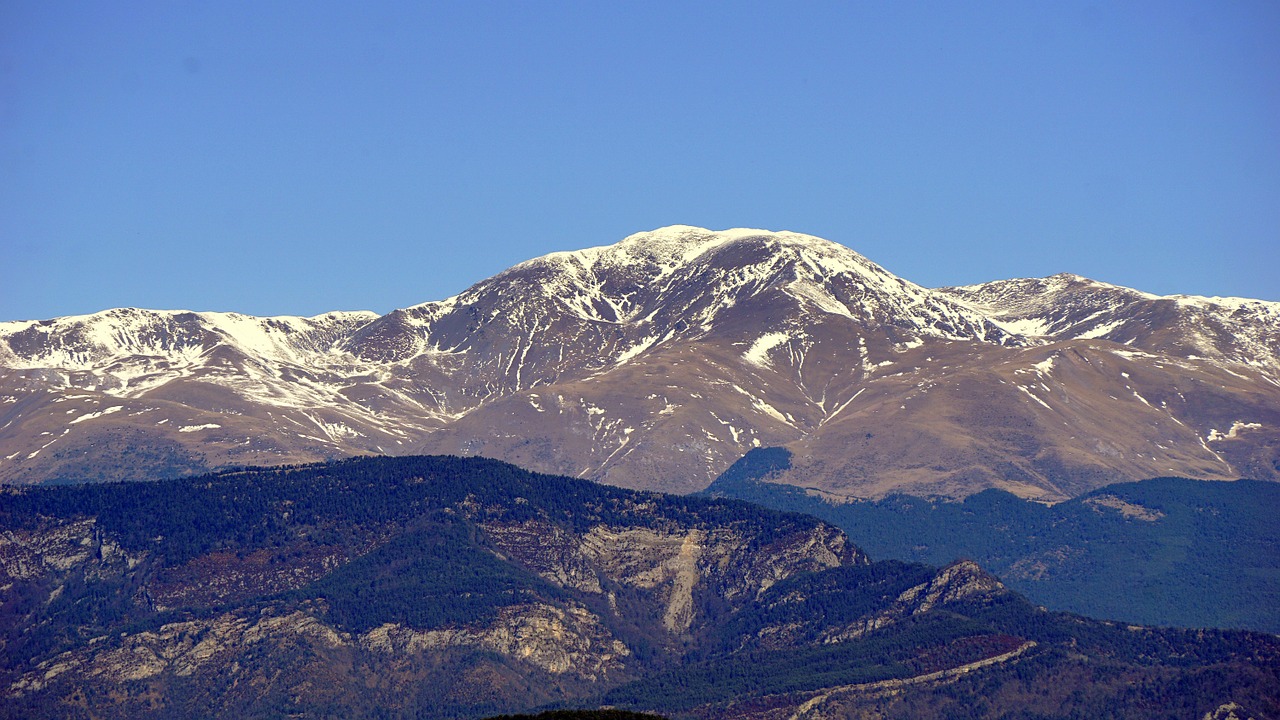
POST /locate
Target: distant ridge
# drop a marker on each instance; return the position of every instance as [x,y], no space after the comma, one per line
[1191,554]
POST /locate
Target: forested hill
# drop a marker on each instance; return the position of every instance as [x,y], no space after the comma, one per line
[440,587]
[264,507]
[1166,551]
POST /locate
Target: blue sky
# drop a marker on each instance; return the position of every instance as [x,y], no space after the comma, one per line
[295,158]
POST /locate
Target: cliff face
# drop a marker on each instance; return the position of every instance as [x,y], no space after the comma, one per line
[670,565]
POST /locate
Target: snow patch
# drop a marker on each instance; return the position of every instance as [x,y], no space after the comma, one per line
[770,410]
[1100,330]
[1031,327]
[758,353]
[1032,396]
[1045,367]
[98,414]
[636,349]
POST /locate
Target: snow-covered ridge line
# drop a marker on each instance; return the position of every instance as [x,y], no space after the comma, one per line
[665,250]
[1054,284]
[675,275]
[656,360]
[1070,307]
[10,326]
[637,279]
[86,341]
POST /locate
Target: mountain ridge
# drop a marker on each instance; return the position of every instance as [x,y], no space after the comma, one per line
[658,361]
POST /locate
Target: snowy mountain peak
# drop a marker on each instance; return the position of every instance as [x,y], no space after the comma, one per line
[683,244]
[651,256]
[682,279]
[675,244]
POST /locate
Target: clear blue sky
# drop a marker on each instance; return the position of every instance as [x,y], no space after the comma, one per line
[295,158]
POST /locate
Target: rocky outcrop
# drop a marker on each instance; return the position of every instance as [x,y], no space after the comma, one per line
[963,580]
[823,547]
[1229,711]
[51,548]
[559,640]
[568,640]
[958,581]
[182,649]
[804,613]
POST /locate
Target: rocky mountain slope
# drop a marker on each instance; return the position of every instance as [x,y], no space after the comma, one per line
[658,361]
[447,587]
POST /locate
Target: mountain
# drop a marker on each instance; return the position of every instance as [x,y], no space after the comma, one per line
[442,587]
[660,360]
[1188,553]
[1070,307]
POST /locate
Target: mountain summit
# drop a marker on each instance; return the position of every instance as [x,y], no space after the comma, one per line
[657,361]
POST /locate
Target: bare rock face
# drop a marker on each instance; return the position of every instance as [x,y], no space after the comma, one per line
[52,548]
[658,361]
[673,566]
[962,581]
[1229,711]
[183,648]
[558,640]
[955,582]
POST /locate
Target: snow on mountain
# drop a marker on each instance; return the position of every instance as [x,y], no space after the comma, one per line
[657,361]
[84,342]
[597,307]
[653,281]
[1070,307]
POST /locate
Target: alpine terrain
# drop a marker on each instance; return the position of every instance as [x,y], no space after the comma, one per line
[658,361]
